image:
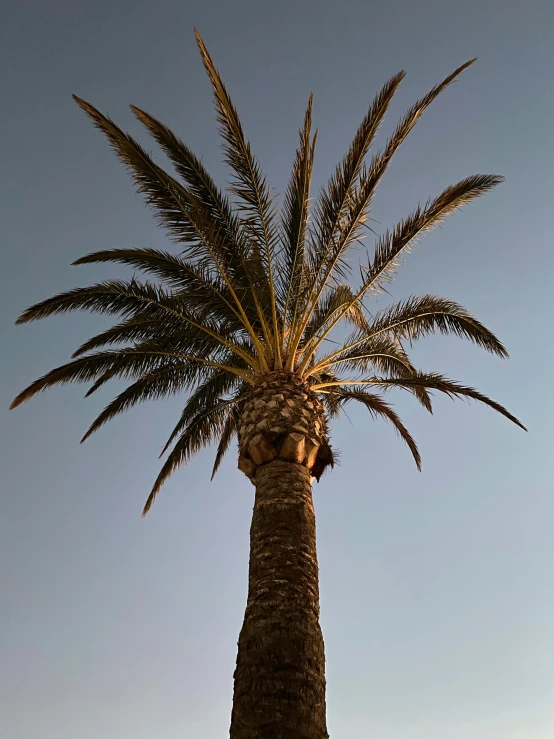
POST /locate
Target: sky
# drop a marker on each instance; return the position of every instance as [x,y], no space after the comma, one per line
[436,587]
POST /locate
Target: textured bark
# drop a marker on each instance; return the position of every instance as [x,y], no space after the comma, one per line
[280,675]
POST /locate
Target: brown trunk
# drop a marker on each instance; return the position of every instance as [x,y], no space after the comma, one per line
[280,675]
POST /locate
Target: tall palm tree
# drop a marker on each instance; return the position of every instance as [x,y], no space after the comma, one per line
[239,319]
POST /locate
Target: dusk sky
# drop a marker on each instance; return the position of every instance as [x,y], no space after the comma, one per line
[436,587]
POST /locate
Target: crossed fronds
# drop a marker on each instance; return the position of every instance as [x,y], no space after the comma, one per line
[252,291]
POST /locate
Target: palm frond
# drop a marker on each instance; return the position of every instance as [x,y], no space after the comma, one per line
[435,381]
[249,184]
[380,409]
[227,433]
[393,243]
[390,246]
[199,183]
[421,316]
[247,272]
[214,389]
[324,252]
[154,385]
[172,269]
[295,220]
[171,201]
[86,369]
[100,382]
[371,175]
[131,299]
[382,354]
[430,381]
[129,363]
[186,218]
[353,213]
[336,199]
[417,317]
[200,432]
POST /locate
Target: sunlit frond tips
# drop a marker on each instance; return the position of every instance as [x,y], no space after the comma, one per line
[254,319]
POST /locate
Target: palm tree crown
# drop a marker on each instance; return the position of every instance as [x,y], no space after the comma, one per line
[253,294]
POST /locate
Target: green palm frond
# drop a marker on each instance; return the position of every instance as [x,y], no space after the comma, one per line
[252,290]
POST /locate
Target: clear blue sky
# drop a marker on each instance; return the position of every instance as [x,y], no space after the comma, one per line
[436,588]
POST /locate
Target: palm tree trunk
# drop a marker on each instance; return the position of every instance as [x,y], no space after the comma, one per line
[280,675]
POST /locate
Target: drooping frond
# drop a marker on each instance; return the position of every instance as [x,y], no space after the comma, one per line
[421,316]
[216,386]
[379,409]
[229,430]
[412,319]
[205,418]
[435,381]
[165,381]
[200,432]
[382,354]
[128,363]
[430,381]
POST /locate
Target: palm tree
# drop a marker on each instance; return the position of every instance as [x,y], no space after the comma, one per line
[239,319]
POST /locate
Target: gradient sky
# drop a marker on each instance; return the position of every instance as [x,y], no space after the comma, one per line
[436,588]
